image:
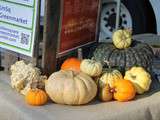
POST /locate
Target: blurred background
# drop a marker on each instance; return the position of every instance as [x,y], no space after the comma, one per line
[140,15]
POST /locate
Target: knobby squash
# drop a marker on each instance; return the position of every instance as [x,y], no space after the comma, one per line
[122,38]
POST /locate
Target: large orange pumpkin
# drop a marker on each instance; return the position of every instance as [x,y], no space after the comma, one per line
[124,90]
[71,64]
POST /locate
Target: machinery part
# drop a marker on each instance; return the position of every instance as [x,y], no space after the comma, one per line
[133,15]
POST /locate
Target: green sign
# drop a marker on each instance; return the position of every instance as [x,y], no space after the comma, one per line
[17,25]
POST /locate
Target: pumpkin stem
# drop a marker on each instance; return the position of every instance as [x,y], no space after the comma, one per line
[34,84]
[133,76]
[112,90]
[108,63]
[130,30]
[92,58]
[80,54]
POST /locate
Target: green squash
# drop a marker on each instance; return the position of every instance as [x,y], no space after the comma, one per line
[138,54]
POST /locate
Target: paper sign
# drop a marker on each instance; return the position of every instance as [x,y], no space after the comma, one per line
[17,25]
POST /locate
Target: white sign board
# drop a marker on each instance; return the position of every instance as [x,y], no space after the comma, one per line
[18,24]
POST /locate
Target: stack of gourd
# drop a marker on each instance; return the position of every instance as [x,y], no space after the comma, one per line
[124,52]
[70,85]
[80,81]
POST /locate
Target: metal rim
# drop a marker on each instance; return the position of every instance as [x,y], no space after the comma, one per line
[108,18]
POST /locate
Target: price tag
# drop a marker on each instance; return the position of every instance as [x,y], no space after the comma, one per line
[18,25]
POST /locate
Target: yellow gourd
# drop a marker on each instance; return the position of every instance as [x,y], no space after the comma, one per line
[122,38]
[140,78]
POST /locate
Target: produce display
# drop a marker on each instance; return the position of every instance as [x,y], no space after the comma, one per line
[112,85]
[78,82]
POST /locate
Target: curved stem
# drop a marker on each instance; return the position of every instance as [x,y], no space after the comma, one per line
[80,54]
[92,58]
[108,63]
[112,90]
[130,30]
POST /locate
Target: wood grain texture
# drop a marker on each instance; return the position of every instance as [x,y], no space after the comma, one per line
[50,35]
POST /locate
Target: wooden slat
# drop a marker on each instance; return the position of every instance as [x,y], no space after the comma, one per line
[50,36]
[1,68]
[34,60]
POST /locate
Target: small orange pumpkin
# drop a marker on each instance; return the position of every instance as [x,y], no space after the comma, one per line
[124,90]
[71,64]
[36,97]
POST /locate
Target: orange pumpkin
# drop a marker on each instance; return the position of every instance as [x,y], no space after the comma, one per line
[71,64]
[36,97]
[124,90]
